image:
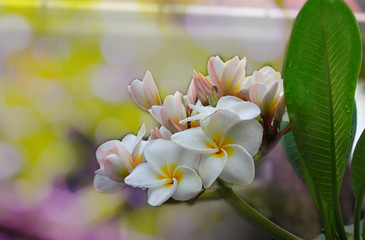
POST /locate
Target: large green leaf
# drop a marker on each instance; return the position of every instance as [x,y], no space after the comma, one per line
[321,69]
[291,150]
[358,180]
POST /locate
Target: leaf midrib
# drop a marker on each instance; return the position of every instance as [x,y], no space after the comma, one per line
[330,102]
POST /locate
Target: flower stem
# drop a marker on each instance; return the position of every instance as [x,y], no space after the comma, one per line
[254,216]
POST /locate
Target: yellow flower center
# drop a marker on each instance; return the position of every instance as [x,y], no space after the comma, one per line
[217,139]
[170,173]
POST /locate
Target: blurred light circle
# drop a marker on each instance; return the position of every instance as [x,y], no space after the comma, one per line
[213,32]
[110,128]
[109,82]
[54,101]
[10,160]
[51,49]
[118,48]
[19,123]
[15,33]
[176,76]
[256,32]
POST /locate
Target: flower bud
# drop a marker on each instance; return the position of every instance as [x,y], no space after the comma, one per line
[145,93]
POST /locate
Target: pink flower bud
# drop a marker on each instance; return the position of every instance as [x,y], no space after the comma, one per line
[145,93]
[227,76]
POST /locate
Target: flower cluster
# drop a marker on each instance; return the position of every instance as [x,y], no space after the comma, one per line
[212,132]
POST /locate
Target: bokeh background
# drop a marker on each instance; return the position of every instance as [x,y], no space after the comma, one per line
[64,69]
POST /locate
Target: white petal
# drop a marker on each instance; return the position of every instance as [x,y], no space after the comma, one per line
[270,98]
[106,149]
[106,185]
[257,92]
[196,117]
[247,134]
[188,186]
[159,195]
[226,102]
[239,168]
[150,90]
[158,153]
[193,139]
[210,167]
[155,111]
[129,141]
[136,91]
[215,70]
[239,76]
[143,176]
[218,123]
[114,168]
[229,71]
[245,110]
[186,158]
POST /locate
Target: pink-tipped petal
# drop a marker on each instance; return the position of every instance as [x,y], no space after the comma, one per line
[215,70]
[173,110]
[104,149]
[114,168]
[257,92]
[136,91]
[191,95]
[270,99]
[238,77]
[155,111]
[229,71]
[150,90]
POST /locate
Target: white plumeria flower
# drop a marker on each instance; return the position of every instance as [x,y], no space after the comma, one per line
[245,110]
[168,172]
[117,159]
[145,93]
[227,145]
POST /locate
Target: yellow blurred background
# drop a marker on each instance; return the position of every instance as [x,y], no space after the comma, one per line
[64,69]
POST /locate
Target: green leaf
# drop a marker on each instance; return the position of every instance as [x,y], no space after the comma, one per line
[321,69]
[349,230]
[353,134]
[358,180]
[291,150]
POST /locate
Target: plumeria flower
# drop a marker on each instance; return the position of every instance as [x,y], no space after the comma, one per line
[265,90]
[168,172]
[227,76]
[145,92]
[226,144]
[245,110]
[117,159]
[171,112]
